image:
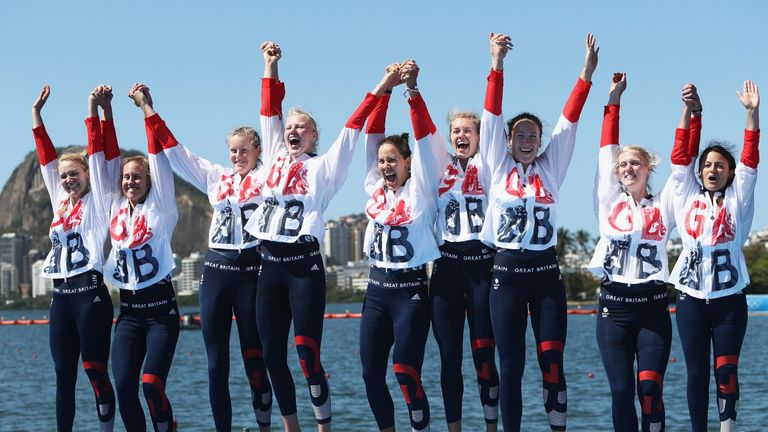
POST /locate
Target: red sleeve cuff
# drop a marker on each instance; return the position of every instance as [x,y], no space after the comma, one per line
[272,95]
[111,149]
[422,121]
[680,155]
[158,135]
[357,120]
[95,139]
[45,151]
[750,156]
[378,118]
[494,92]
[610,134]
[576,100]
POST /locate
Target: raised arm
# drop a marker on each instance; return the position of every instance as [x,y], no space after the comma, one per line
[375,131]
[750,98]
[493,139]
[688,132]
[272,95]
[158,136]
[607,184]
[557,156]
[103,151]
[46,153]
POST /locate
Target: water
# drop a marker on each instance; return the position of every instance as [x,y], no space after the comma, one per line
[27,396]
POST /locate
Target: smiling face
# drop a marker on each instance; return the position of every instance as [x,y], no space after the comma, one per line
[464,137]
[716,172]
[394,168]
[135,182]
[74,179]
[525,141]
[633,170]
[243,154]
[300,134]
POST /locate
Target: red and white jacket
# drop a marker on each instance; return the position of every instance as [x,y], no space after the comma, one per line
[78,230]
[234,198]
[400,231]
[633,236]
[521,204]
[713,230]
[141,240]
[461,199]
[296,193]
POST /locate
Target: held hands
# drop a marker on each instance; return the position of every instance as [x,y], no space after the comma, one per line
[141,98]
[42,98]
[501,44]
[750,97]
[100,96]
[691,99]
[392,77]
[271,52]
[618,86]
[409,72]
[590,58]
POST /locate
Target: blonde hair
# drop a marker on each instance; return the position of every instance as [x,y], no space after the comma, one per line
[76,155]
[459,114]
[246,132]
[311,119]
[651,160]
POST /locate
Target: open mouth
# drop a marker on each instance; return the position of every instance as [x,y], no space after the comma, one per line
[390,177]
[526,150]
[462,145]
[294,141]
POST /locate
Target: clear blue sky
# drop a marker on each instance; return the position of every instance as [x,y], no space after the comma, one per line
[201,60]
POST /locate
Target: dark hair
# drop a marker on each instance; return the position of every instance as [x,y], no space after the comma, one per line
[723,149]
[399,141]
[524,116]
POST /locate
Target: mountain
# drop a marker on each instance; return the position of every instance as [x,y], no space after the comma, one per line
[26,209]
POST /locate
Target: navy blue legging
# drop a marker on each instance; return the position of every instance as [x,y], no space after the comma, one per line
[146,333]
[633,323]
[292,285]
[524,281]
[81,324]
[461,281]
[720,323]
[227,286]
[395,312]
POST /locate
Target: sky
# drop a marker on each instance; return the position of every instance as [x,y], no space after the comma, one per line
[203,64]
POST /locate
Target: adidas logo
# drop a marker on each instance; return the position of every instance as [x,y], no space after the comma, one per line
[97,300]
[315,267]
[172,312]
[416,297]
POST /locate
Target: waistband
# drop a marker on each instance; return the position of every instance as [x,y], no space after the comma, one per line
[288,252]
[246,260]
[84,282]
[473,250]
[648,292]
[528,262]
[159,297]
[398,278]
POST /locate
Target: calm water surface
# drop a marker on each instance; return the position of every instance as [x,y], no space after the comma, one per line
[28,381]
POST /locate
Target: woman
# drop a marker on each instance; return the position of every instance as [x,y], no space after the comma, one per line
[522,194]
[231,267]
[714,217]
[298,187]
[631,260]
[81,309]
[399,241]
[143,217]
[461,277]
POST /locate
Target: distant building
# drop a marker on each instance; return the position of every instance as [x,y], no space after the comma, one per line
[9,280]
[13,250]
[191,269]
[344,239]
[40,285]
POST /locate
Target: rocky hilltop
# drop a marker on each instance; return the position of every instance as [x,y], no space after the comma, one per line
[26,209]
